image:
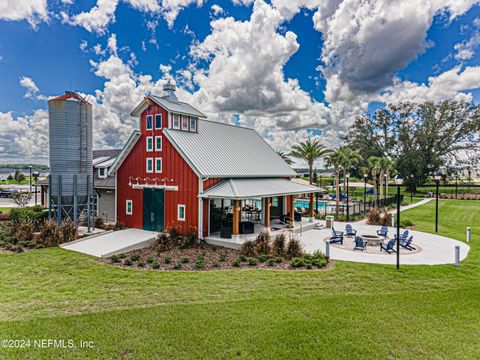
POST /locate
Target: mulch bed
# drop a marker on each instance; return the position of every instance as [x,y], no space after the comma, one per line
[215,258]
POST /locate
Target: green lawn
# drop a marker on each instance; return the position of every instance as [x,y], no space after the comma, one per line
[350,311]
[4,209]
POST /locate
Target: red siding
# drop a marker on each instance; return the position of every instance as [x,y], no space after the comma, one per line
[174,168]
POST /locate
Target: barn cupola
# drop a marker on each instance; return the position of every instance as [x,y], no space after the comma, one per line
[169,92]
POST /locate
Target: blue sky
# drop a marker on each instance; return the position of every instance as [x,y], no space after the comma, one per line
[305,69]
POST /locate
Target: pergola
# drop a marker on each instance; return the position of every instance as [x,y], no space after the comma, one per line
[239,189]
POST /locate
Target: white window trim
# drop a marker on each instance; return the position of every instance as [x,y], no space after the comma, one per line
[161,165]
[196,124]
[155,121]
[104,176]
[146,144]
[179,121]
[146,165]
[146,122]
[131,207]
[161,143]
[184,212]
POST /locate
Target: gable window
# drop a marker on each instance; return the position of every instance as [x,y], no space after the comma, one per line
[181,213]
[158,143]
[149,143]
[149,165]
[149,125]
[176,121]
[129,207]
[184,122]
[193,124]
[158,121]
[102,173]
[158,165]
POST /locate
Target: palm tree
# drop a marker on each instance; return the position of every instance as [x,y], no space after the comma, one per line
[375,165]
[387,165]
[350,158]
[335,160]
[284,157]
[309,151]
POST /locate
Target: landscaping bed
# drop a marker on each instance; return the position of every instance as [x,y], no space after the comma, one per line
[175,252]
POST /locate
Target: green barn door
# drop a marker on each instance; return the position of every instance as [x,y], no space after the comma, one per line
[153,209]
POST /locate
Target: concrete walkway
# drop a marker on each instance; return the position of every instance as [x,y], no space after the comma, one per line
[435,249]
[402,208]
[112,243]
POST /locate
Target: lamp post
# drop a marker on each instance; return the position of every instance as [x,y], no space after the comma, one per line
[30,168]
[364,190]
[35,175]
[437,177]
[398,183]
[347,175]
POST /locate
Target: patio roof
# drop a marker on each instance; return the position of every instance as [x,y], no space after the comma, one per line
[257,188]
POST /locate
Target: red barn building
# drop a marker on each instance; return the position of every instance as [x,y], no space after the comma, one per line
[181,170]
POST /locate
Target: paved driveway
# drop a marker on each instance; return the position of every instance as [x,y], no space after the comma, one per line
[435,249]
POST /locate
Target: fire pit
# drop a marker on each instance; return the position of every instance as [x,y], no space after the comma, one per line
[372,240]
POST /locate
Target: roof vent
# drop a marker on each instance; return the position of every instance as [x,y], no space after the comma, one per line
[169,92]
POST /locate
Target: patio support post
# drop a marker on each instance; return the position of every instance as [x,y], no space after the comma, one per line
[266,214]
[236,221]
[292,210]
[312,214]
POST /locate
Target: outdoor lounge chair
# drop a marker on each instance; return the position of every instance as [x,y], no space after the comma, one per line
[407,244]
[337,237]
[404,236]
[383,232]
[388,247]
[360,244]
[349,231]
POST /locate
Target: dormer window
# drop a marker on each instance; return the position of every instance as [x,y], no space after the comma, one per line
[184,122]
[193,124]
[149,122]
[158,121]
[102,173]
[176,121]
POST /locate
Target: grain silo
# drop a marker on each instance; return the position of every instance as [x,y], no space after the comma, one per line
[71,170]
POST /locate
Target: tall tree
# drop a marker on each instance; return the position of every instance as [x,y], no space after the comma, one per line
[310,151]
[375,165]
[350,158]
[421,137]
[335,160]
[387,166]
[285,157]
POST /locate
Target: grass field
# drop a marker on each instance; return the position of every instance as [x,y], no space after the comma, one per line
[350,311]
[4,209]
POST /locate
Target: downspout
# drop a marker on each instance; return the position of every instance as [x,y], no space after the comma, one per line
[200,208]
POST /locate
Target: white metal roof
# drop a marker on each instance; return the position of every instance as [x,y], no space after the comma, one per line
[256,188]
[177,107]
[99,160]
[132,140]
[222,150]
[105,164]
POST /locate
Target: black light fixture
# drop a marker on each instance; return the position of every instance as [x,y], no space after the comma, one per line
[365,176]
[347,175]
[437,177]
[35,175]
[398,183]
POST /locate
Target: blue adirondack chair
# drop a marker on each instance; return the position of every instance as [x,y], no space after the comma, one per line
[388,247]
[337,237]
[404,236]
[360,244]
[407,244]
[383,232]
[349,231]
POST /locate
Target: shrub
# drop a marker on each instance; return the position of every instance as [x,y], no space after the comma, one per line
[262,244]
[99,223]
[141,264]
[119,226]
[168,260]
[252,261]
[175,235]
[222,257]
[150,259]
[216,264]
[135,257]
[155,265]
[185,260]
[294,248]
[200,264]
[297,262]
[68,230]
[190,240]
[128,262]
[271,262]
[374,216]
[278,260]
[278,248]
[23,230]
[50,234]
[163,243]
[248,248]
[122,256]
[177,266]
[39,246]
[242,258]
[406,222]
[236,263]
[263,258]
[115,259]
[320,262]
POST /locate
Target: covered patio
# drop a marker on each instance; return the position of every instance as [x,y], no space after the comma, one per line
[239,209]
